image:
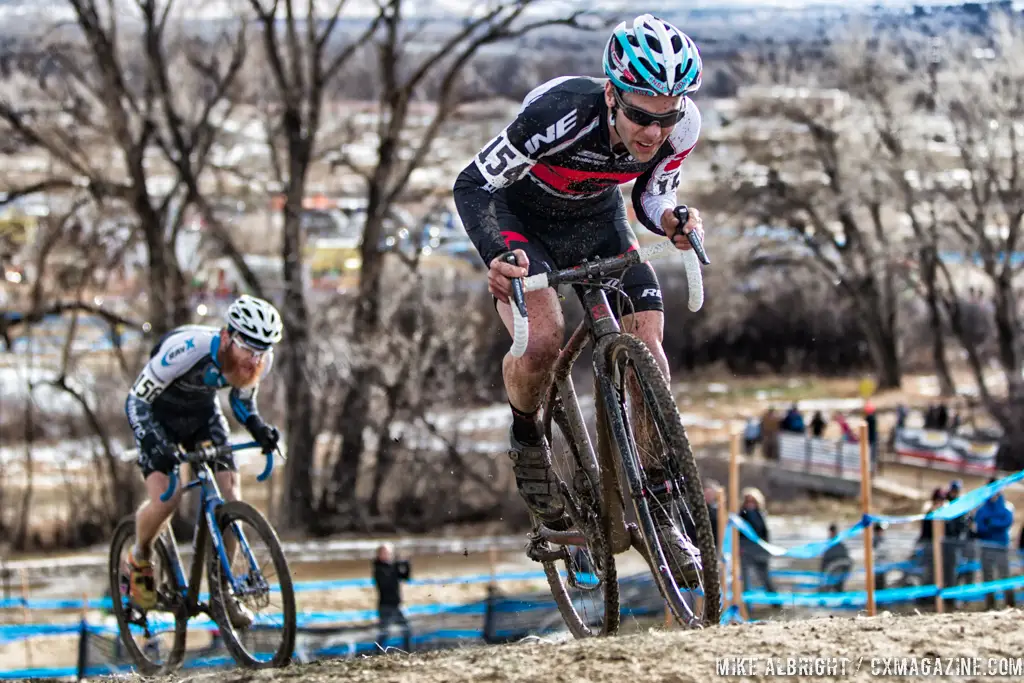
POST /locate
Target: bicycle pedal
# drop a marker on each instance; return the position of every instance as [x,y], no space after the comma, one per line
[546,554]
[539,550]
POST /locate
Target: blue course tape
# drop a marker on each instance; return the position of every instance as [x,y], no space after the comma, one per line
[300,587]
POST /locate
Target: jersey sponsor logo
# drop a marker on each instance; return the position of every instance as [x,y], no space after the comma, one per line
[177,351]
[600,312]
[555,131]
[656,293]
[574,181]
[586,154]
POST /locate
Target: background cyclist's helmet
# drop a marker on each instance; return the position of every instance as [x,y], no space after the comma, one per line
[652,57]
[256,320]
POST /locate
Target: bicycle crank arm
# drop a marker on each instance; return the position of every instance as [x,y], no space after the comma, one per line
[636,539]
[572,537]
[546,554]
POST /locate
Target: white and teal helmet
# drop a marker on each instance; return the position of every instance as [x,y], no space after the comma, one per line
[652,57]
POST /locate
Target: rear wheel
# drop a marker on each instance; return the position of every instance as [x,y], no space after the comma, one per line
[270,640]
[584,582]
[154,638]
[635,396]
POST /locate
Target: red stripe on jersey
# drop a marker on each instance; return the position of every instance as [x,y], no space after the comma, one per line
[677,160]
[579,182]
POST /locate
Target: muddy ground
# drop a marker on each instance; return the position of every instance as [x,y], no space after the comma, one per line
[852,648]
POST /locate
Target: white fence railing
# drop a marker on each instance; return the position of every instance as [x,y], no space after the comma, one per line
[819,456]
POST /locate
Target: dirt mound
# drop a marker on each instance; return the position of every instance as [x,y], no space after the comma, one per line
[856,649]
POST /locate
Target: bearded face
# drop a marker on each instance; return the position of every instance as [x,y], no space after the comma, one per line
[241,365]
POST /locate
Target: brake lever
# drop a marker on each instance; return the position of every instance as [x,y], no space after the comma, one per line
[682,214]
[518,296]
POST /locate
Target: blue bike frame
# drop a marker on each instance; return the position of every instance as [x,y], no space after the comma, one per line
[206,523]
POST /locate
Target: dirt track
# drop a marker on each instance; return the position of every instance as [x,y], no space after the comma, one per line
[682,657]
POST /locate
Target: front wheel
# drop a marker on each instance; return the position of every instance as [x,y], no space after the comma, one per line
[269,640]
[649,437]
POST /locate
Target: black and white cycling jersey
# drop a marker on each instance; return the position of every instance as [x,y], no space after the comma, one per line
[554,166]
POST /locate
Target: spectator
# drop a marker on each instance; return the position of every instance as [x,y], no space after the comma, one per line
[844,427]
[793,421]
[901,422]
[953,544]
[923,549]
[753,558]
[901,416]
[818,424]
[881,554]
[770,426]
[388,574]
[836,563]
[751,435]
[711,489]
[993,521]
[872,421]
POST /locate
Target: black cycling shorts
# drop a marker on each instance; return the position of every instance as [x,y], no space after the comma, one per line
[566,243]
[189,431]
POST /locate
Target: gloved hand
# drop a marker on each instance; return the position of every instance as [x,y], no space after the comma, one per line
[159,449]
[265,435]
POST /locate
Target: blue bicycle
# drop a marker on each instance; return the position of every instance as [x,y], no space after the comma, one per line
[234,577]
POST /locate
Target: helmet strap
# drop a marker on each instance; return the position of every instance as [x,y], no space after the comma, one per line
[619,149]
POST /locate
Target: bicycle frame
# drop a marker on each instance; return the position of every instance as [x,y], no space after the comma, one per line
[206,528]
[600,324]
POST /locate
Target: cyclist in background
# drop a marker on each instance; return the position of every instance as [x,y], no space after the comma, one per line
[174,403]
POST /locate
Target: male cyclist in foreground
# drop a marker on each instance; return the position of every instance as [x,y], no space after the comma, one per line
[546,190]
[174,402]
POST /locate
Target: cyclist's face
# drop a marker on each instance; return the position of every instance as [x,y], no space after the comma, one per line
[242,366]
[643,139]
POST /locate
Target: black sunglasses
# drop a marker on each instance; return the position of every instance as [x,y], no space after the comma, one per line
[644,118]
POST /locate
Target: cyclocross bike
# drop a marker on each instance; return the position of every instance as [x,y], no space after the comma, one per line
[269,641]
[629,388]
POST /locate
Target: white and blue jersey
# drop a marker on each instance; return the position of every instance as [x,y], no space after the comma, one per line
[174,398]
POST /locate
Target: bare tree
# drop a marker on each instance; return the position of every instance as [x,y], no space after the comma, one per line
[302,60]
[808,163]
[982,205]
[114,92]
[893,92]
[75,255]
[402,76]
